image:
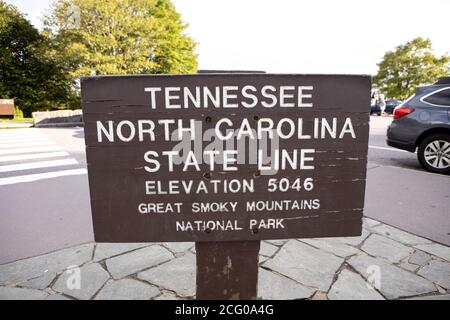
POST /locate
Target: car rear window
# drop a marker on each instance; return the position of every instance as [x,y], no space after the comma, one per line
[440,98]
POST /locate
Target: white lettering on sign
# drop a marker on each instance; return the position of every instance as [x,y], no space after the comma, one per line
[160,207]
[206,207]
[266,224]
[208,225]
[171,130]
[285,128]
[213,186]
[231,97]
[152,95]
[235,156]
[302,95]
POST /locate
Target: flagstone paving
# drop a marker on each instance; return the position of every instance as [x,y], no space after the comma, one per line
[92,278]
[127,289]
[379,246]
[132,262]
[391,281]
[177,275]
[305,264]
[351,286]
[108,250]
[383,263]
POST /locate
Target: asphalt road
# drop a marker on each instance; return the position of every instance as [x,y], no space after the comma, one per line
[46,207]
[400,193]
[49,213]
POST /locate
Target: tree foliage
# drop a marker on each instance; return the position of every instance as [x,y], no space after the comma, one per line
[408,66]
[98,37]
[27,74]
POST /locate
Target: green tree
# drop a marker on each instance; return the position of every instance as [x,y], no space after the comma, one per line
[27,74]
[408,66]
[98,37]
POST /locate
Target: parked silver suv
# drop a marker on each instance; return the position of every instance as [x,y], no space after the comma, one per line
[423,122]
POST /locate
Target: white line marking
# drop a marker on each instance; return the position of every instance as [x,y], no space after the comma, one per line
[27,144]
[387,149]
[33,156]
[23,140]
[21,137]
[31,149]
[40,176]
[36,165]
[20,134]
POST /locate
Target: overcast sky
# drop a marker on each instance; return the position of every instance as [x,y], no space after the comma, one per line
[298,36]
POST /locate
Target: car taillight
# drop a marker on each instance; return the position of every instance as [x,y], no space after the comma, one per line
[402,111]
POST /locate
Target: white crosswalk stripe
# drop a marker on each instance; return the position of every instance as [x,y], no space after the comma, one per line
[40,176]
[26,144]
[37,165]
[6,142]
[19,133]
[30,149]
[28,155]
[34,156]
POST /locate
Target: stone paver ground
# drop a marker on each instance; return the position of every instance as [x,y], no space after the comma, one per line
[383,263]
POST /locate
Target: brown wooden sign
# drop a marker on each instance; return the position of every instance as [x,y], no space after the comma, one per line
[226,157]
[7,108]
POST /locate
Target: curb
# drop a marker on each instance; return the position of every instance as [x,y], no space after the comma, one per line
[60,125]
[16,125]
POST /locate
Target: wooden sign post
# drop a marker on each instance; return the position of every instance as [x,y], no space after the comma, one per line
[226,160]
[222,274]
[227,270]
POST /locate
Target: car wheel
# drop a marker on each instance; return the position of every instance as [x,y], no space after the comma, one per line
[434,153]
